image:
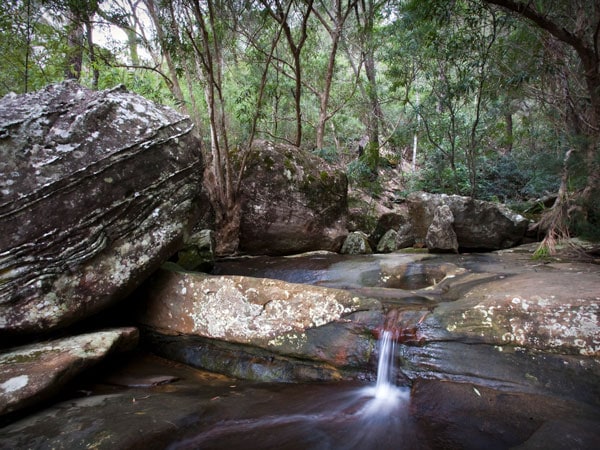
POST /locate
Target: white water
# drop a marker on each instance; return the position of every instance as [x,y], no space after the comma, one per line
[386,370]
[385,395]
[369,418]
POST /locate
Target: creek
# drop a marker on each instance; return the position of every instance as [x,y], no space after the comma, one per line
[438,394]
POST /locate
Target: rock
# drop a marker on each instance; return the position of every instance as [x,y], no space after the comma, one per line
[387,243]
[477,224]
[199,252]
[34,373]
[530,331]
[97,193]
[292,202]
[257,328]
[525,311]
[387,221]
[356,243]
[440,235]
[405,237]
[468,416]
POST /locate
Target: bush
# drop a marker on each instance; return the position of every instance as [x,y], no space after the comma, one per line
[441,179]
[329,154]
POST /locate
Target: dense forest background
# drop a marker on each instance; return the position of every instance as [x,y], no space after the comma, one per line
[497,99]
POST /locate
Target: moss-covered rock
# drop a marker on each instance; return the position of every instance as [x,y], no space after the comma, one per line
[292,202]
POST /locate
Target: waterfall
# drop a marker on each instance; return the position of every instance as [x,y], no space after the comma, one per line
[385,367]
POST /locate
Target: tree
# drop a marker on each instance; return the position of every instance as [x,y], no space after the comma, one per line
[333,19]
[283,14]
[32,46]
[575,25]
[447,49]
[366,15]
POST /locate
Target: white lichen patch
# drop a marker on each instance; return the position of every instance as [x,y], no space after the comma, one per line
[294,340]
[538,322]
[14,384]
[243,309]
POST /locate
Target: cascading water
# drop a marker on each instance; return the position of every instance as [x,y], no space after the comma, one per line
[385,395]
[385,367]
[376,417]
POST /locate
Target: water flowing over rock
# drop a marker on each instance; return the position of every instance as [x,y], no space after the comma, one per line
[530,329]
[292,202]
[31,374]
[262,324]
[477,224]
[97,190]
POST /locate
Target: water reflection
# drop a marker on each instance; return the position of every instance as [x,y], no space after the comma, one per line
[334,418]
[371,417]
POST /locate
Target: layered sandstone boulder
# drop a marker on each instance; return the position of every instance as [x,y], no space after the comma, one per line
[478,225]
[97,191]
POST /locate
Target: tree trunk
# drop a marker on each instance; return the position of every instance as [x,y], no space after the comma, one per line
[92,53]
[75,40]
[174,86]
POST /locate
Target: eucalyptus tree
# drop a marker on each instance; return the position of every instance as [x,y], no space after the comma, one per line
[368,17]
[23,29]
[333,16]
[575,30]
[45,41]
[447,49]
[78,17]
[287,13]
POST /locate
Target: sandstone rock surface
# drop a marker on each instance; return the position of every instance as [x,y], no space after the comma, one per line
[440,234]
[32,374]
[478,224]
[264,319]
[387,243]
[292,202]
[356,243]
[97,189]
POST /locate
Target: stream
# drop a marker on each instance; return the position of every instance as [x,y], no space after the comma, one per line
[146,402]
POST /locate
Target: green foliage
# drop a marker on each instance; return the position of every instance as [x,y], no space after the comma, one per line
[436,177]
[31,50]
[508,178]
[480,89]
[585,221]
[329,154]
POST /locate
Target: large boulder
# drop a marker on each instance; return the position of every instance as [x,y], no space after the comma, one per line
[478,224]
[292,202]
[33,373]
[440,235]
[257,328]
[97,191]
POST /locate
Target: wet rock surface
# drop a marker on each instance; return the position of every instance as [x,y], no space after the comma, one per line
[34,373]
[485,371]
[97,190]
[198,409]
